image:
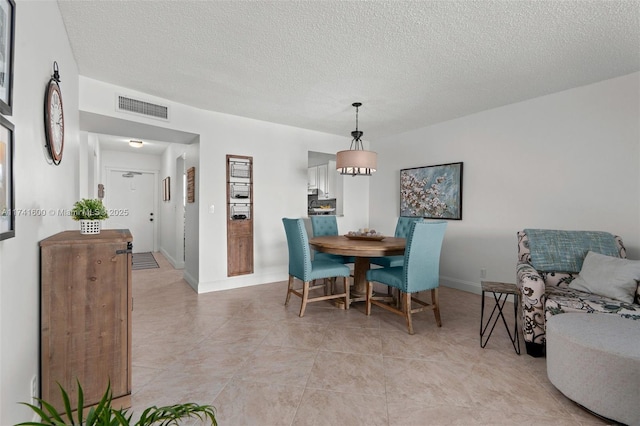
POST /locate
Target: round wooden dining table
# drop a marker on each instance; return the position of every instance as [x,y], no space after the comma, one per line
[362,250]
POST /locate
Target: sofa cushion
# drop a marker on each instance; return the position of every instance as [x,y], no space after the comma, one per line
[566,299]
[608,276]
[564,251]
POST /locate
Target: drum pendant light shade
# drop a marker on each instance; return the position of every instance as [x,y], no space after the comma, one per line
[356,161]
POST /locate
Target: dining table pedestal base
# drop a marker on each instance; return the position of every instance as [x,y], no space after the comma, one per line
[359,289]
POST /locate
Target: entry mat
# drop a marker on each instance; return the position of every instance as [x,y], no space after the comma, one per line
[144,261]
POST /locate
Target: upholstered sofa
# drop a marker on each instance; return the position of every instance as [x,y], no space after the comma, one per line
[550,260]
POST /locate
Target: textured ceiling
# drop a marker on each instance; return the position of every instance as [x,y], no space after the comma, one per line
[304,63]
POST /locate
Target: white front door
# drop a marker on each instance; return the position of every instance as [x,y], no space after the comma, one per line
[130,200]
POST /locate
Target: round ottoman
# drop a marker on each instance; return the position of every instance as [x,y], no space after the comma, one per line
[594,359]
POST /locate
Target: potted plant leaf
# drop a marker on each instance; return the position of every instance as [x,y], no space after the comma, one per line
[90,212]
[104,414]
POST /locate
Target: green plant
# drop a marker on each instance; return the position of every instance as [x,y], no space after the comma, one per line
[89,209]
[103,414]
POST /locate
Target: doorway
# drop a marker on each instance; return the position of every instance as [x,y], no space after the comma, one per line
[130,199]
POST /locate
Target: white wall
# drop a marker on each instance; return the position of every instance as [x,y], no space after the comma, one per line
[171,234]
[280,155]
[129,161]
[194,244]
[40,39]
[569,160]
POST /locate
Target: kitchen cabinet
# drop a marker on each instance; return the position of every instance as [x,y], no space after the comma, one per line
[239,215]
[323,190]
[331,186]
[85,316]
[312,179]
[322,178]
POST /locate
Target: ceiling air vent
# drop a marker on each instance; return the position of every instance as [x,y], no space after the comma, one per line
[143,108]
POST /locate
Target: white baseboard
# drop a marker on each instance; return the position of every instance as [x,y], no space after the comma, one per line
[175,263]
[243,281]
[190,280]
[468,286]
[275,276]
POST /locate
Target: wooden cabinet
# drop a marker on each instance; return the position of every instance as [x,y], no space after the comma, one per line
[85,318]
[240,248]
[239,215]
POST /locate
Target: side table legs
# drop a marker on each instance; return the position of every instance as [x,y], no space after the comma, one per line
[500,298]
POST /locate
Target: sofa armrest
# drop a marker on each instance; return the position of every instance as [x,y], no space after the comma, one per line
[532,300]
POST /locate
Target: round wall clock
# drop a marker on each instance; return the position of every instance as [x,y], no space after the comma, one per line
[54,117]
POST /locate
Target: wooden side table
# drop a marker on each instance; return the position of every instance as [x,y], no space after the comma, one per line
[501,292]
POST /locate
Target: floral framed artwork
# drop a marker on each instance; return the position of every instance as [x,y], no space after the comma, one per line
[7,208]
[432,192]
[7,22]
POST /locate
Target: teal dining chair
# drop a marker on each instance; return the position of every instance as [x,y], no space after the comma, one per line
[402,230]
[420,272]
[328,225]
[324,225]
[308,271]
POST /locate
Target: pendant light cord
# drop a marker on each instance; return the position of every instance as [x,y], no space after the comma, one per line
[356,143]
[356,119]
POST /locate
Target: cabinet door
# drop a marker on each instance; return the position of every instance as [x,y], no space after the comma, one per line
[85,316]
[323,190]
[240,247]
[332,174]
[312,178]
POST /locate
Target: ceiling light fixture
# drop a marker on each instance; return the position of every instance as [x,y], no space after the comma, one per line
[356,161]
[136,144]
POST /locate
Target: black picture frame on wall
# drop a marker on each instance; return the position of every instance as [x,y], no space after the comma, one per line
[7,206]
[432,192]
[7,26]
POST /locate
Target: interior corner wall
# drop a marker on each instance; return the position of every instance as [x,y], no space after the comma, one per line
[84,176]
[194,243]
[97,159]
[171,209]
[42,190]
[568,160]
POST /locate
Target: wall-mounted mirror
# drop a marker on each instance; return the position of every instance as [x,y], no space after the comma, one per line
[324,184]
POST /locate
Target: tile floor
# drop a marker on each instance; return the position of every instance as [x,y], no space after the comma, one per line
[258,363]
